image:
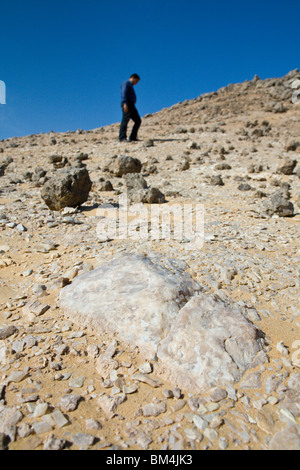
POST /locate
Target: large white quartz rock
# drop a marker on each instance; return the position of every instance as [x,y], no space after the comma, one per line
[131,296]
[210,344]
[153,303]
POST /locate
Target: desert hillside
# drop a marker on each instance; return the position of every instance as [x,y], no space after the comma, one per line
[73,379]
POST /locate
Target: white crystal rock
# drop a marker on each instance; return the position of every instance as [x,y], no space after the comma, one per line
[210,344]
[153,303]
[132,296]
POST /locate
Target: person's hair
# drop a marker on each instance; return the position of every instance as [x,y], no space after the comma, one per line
[135,75]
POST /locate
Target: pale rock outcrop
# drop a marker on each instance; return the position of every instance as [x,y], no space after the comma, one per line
[209,344]
[153,303]
[132,296]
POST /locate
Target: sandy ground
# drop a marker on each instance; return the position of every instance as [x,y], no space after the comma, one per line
[263,252]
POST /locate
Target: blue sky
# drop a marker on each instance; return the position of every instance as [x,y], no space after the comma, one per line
[63,61]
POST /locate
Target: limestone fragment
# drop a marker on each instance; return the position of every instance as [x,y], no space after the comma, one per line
[109,404]
[7,332]
[83,440]
[154,409]
[69,402]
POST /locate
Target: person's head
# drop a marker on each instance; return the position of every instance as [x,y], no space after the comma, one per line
[134,78]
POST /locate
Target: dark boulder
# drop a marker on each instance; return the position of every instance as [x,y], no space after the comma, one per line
[67,188]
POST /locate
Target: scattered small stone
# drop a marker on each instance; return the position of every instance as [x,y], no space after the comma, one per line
[200,422]
[287,167]
[143,440]
[216,180]
[184,165]
[193,434]
[106,186]
[21,228]
[223,443]
[93,424]
[149,143]
[69,402]
[152,381]
[8,331]
[244,187]
[265,421]
[40,410]
[288,414]
[42,427]
[27,273]
[83,440]
[128,389]
[154,409]
[178,405]
[24,430]
[211,434]
[59,418]
[109,404]
[145,368]
[168,393]
[125,164]
[77,382]
[35,308]
[277,204]
[177,392]
[222,166]
[54,443]
[17,376]
[251,380]
[282,348]
[218,394]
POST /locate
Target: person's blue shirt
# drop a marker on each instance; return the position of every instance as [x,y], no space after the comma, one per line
[127,92]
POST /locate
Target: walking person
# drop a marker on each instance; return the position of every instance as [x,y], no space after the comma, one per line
[128,100]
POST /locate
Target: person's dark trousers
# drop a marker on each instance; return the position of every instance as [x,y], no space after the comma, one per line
[134,115]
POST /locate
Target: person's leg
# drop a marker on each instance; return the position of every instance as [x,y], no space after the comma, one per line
[137,122]
[123,126]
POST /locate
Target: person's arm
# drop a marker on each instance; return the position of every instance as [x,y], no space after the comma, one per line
[124,96]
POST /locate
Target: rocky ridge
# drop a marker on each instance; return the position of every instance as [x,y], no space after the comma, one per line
[63,385]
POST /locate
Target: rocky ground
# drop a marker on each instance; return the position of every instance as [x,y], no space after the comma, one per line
[236,151]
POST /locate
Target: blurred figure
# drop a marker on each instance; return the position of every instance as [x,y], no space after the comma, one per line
[128,100]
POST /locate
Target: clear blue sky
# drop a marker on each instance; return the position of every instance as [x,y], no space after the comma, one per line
[63,61]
